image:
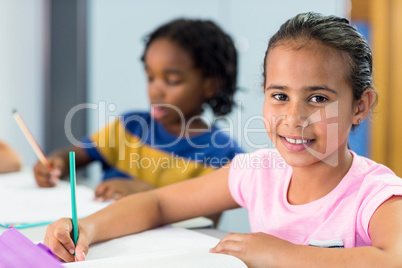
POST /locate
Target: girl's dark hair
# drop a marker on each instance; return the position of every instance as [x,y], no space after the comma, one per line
[334,32]
[213,52]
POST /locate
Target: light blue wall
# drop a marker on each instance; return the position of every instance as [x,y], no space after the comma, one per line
[22,72]
[116,29]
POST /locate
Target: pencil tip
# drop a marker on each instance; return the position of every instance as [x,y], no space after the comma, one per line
[14,111]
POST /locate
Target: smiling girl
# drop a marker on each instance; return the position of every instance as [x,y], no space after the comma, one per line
[326,207]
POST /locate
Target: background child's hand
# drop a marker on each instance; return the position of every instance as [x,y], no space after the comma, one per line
[254,249]
[118,188]
[58,239]
[49,178]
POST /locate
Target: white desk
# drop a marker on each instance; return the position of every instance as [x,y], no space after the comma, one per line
[162,247]
[169,247]
[37,233]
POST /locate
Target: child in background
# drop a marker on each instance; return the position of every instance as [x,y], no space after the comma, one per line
[312,202]
[9,159]
[188,63]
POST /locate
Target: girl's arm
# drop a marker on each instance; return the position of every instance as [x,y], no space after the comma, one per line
[59,160]
[262,250]
[135,213]
[9,159]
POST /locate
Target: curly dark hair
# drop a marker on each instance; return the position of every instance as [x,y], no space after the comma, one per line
[213,52]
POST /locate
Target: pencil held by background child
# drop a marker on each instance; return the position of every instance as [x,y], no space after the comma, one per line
[46,166]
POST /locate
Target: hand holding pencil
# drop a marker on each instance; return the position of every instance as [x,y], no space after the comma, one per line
[47,171]
[64,237]
[49,178]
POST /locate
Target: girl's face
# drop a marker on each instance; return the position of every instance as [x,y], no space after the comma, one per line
[308,106]
[176,89]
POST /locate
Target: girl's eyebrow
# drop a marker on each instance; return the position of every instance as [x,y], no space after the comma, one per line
[309,88]
[173,71]
[168,71]
[314,88]
[273,86]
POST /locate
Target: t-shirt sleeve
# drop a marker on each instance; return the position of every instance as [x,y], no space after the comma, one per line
[377,193]
[103,145]
[237,174]
[246,173]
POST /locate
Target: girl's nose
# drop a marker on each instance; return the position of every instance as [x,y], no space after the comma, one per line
[155,89]
[296,115]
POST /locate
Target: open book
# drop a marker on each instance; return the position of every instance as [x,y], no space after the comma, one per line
[162,247]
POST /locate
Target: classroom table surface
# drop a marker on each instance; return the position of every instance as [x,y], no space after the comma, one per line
[180,246]
[37,233]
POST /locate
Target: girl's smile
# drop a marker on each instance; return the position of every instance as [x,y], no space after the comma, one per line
[296,144]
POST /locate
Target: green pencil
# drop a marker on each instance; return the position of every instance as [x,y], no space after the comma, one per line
[73,202]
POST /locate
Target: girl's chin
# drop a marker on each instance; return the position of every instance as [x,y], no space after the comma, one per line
[307,158]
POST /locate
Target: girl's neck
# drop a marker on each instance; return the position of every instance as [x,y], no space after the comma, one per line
[315,181]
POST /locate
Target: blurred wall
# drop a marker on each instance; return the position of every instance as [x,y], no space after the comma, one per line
[23,61]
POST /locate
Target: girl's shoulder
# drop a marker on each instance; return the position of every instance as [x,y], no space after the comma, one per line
[267,160]
[373,177]
[132,115]
[365,167]
[137,123]
[251,175]
[370,185]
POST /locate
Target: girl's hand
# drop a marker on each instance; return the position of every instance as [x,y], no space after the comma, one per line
[254,249]
[58,239]
[49,178]
[117,188]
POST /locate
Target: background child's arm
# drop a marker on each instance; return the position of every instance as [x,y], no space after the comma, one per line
[9,159]
[59,161]
[262,250]
[117,188]
[208,194]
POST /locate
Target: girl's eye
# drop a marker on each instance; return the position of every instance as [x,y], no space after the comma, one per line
[173,82]
[280,97]
[150,78]
[318,99]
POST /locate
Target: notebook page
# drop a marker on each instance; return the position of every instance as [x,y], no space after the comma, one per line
[196,259]
[24,202]
[162,247]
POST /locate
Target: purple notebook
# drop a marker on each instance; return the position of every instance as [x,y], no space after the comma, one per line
[18,251]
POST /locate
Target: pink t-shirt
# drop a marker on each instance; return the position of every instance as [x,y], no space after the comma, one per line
[259,182]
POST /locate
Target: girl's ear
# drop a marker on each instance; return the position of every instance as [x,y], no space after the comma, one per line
[211,86]
[363,106]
